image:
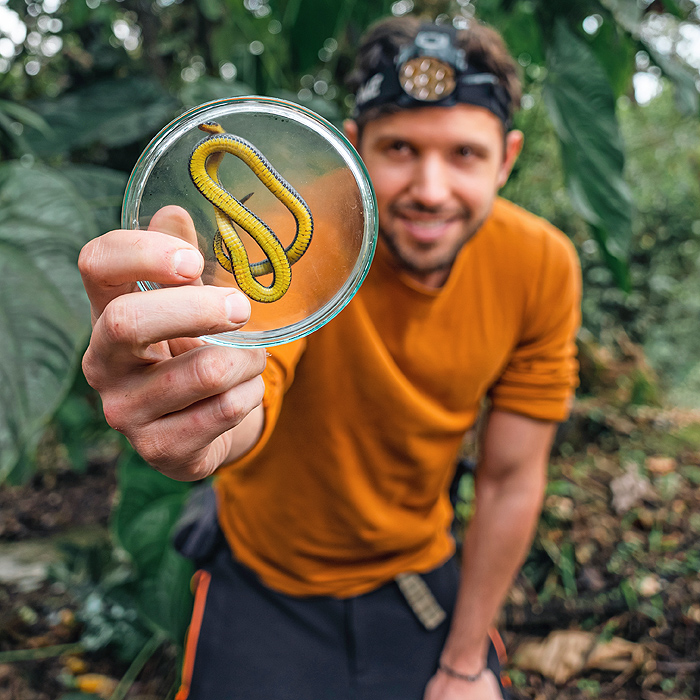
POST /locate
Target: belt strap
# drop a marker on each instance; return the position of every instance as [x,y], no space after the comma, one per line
[421,600]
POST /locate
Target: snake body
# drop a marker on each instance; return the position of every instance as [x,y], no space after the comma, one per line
[230,252]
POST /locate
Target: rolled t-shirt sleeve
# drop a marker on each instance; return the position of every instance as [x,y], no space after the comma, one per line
[541,374]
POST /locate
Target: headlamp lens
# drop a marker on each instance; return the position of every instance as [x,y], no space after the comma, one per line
[427,79]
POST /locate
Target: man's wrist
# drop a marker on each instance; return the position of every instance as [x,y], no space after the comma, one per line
[467,677]
[465,656]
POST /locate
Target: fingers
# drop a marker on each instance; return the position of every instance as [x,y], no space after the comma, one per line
[131,323]
[112,264]
[166,388]
[186,444]
[191,444]
[175,412]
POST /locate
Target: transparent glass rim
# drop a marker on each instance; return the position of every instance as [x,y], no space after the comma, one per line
[167,136]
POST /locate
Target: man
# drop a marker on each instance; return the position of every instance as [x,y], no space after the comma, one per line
[332,471]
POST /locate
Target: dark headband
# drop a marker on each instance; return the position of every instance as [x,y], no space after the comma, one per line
[432,71]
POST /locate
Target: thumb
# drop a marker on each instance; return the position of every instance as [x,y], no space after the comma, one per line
[174,221]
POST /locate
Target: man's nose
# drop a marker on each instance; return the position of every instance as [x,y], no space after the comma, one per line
[431,181]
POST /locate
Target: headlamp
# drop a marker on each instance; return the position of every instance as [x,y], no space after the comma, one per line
[427,68]
[432,71]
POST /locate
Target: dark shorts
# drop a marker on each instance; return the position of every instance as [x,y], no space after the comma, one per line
[248,642]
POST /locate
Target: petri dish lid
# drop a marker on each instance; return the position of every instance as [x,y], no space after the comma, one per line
[280,161]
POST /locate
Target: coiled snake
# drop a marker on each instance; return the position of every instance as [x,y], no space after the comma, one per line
[229,249]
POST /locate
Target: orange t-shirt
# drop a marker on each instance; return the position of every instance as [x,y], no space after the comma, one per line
[347,486]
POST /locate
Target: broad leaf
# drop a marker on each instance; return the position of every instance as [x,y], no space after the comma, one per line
[44,314]
[165,598]
[23,115]
[615,51]
[101,189]
[146,537]
[522,32]
[581,105]
[111,112]
[148,507]
[141,487]
[310,23]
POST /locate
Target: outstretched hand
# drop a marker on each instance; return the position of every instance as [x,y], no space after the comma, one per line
[184,405]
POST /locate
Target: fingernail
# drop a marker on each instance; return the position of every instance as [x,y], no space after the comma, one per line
[188,263]
[237,307]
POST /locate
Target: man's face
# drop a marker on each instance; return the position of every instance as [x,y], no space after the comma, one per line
[436,172]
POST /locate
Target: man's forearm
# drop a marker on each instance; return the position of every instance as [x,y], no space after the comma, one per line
[496,542]
[510,483]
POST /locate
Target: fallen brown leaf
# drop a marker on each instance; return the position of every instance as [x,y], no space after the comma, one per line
[565,653]
[661,465]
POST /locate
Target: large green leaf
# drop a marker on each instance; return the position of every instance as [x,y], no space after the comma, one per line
[102,189]
[165,598]
[44,313]
[522,32]
[140,488]
[310,23]
[615,51]
[147,509]
[111,112]
[581,105]
[12,114]
[146,536]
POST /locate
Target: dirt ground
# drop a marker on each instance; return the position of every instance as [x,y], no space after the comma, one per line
[618,594]
[613,573]
[43,617]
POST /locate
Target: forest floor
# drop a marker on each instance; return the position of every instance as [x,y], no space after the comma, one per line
[607,605]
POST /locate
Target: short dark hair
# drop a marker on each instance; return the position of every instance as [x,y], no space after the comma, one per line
[483,46]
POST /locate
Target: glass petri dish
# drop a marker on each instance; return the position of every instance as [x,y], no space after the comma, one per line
[317,165]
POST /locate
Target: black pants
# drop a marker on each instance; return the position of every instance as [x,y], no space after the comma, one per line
[247,642]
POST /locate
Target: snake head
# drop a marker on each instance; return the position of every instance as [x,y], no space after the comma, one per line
[212,127]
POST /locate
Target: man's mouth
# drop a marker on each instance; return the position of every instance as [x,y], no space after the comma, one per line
[425,229]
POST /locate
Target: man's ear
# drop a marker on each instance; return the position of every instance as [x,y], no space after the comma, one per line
[514,144]
[352,133]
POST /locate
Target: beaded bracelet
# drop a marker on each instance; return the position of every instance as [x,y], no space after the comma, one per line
[471,678]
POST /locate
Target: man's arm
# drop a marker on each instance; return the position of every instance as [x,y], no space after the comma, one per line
[510,485]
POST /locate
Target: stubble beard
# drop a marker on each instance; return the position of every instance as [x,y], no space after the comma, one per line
[419,259]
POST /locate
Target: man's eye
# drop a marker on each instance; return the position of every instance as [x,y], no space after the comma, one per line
[399,147]
[465,152]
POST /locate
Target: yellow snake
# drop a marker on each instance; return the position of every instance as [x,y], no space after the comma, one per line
[230,252]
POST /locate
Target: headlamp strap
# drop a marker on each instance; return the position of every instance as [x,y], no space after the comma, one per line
[432,70]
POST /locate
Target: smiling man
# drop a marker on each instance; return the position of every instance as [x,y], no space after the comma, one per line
[336,577]
[436,172]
